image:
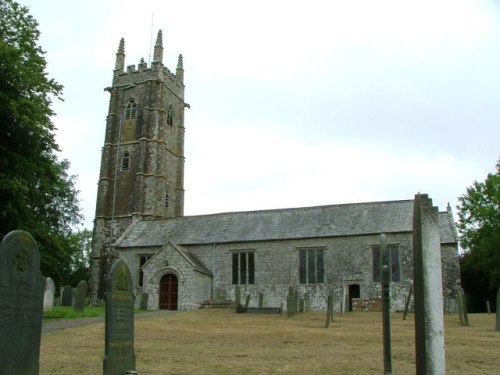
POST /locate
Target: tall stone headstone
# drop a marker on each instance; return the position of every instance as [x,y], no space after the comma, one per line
[48,295]
[237,298]
[291,302]
[21,304]
[119,356]
[497,326]
[81,295]
[386,303]
[67,296]
[427,288]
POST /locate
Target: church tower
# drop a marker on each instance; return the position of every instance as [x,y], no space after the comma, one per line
[142,162]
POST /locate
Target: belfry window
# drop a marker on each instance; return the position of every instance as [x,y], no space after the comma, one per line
[125,161]
[395,272]
[170,115]
[167,199]
[130,110]
[312,266]
[243,268]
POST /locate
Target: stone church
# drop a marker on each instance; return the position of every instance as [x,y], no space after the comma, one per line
[180,262]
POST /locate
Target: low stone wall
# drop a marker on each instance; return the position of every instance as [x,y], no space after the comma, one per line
[359,304]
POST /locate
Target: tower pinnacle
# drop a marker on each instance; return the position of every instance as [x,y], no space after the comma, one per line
[120,56]
[180,69]
[158,52]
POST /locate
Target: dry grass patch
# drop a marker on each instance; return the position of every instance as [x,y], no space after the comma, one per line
[222,342]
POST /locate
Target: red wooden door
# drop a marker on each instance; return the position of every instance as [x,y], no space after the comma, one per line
[168,292]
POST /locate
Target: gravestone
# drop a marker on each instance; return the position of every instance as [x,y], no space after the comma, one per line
[119,355]
[498,311]
[21,304]
[237,298]
[67,296]
[81,295]
[261,299]
[328,309]
[48,295]
[291,302]
[386,303]
[427,288]
[464,307]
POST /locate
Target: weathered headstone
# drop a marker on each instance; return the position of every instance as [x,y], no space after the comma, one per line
[291,302]
[386,303]
[301,304]
[48,295]
[307,301]
[21,304]
[464,307]
[460,307]
[247,301]
[498,311]
[407,302]
[329,309]
[237,298]
[67,296]
[427,288]
[119,331]
[261,299]
[81,295]
[328,301]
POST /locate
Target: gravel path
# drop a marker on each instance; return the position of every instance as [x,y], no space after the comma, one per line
[72,323]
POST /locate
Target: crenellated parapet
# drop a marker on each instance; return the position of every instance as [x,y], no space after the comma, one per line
[156,71]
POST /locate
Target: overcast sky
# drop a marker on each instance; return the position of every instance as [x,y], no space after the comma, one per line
[293,103]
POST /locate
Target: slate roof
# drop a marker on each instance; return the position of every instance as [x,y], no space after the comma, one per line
[195,262]
[291,223]
[447,228]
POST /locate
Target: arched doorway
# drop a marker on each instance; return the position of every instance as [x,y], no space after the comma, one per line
[353,293]
[168,292]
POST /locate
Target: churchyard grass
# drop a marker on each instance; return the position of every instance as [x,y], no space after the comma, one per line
[222,342]
[68,312]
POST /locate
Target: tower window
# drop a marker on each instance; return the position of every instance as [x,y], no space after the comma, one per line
[126,161]
[167,199]
[170,115]
[130,111]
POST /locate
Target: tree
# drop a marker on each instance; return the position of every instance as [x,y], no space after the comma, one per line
[479,227]
[79,251]
[37,193]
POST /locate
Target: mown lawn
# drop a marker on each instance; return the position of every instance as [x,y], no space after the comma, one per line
[222,342]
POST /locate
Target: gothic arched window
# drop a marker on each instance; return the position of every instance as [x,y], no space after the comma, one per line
[170,115]
[130,110]
[125,161]
[167,199]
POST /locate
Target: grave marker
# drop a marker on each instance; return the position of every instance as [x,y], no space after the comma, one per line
[386,303]
[48,295]
[291,302]
[67,296]
[119,331]
[427,288]
[21,304]
[237,298]
[81,295]
[498,310]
